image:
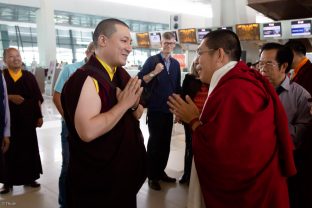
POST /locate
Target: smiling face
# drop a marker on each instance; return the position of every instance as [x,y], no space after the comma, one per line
[117,47]
[13,59]
[168,45]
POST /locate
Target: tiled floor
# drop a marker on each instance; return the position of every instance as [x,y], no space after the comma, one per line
[171,195]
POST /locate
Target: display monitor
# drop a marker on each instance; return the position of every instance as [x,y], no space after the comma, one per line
[248,31]
[155,38]
[201,33]
[225,28]
[300,27]
[187,35]
[273,29]
[143,40]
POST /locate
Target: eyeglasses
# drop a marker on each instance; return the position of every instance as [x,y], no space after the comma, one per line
[169,43]
[267,63]
[199,52]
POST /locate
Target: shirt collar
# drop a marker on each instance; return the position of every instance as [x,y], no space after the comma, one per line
[107,68]
[286,83]
[163,57]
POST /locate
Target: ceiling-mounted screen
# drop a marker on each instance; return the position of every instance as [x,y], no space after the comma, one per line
[143,40]
[187,35]
[225,28]
[155,38]
[300,27]
[273,29]
[248,31]
[201,33]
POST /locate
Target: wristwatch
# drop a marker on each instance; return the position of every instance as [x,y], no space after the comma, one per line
[151,75]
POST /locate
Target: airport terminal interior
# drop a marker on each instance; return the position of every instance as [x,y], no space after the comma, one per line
[52,33]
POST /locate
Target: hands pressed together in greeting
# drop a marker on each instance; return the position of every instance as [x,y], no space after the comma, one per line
[184,111]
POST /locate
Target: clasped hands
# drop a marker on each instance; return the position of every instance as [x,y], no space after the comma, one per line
[131,94]
[184,111]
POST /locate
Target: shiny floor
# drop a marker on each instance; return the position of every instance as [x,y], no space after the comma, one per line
[171,195]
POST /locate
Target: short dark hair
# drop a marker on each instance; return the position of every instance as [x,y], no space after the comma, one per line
[106,27]
[283,55]
[227,40]
[297,46]
[168,35]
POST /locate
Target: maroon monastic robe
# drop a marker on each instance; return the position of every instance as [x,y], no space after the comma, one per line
[302,182]
[243,151]
[110,170]
[22,161]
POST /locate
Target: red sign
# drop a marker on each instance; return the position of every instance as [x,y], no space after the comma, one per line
[181,59]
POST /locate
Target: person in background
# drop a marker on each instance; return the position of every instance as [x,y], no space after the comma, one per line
[4,127]
[22,160]
[100,102]
[165,71]
[197,91]
[301,64]
[302,75]
[275,62]
[65,73]
[241,142]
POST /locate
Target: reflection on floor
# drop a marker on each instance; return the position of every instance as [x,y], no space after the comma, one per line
[171,195]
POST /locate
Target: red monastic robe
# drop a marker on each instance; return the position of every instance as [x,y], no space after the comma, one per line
[243,151]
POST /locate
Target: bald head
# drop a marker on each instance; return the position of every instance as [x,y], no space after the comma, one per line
[106,27]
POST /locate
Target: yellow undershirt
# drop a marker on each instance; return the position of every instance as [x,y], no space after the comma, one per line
[109,70]
[16,75]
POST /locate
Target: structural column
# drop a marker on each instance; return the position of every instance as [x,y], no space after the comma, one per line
[46,32]
[229,12]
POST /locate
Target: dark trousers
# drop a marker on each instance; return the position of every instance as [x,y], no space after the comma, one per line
[158,147]
[188,152]
[300,185]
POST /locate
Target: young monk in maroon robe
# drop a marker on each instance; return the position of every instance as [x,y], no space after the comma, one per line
[242,148]
[101,109]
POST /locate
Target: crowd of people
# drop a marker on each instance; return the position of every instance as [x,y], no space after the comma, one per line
[247,131]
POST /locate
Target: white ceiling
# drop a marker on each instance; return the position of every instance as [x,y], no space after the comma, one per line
[193,7]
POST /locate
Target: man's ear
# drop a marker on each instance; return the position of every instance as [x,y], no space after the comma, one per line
[283,67]
[102,40]
[221,55]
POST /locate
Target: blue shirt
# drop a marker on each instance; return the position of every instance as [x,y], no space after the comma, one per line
[166,82]
[65,73]
[295,100]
